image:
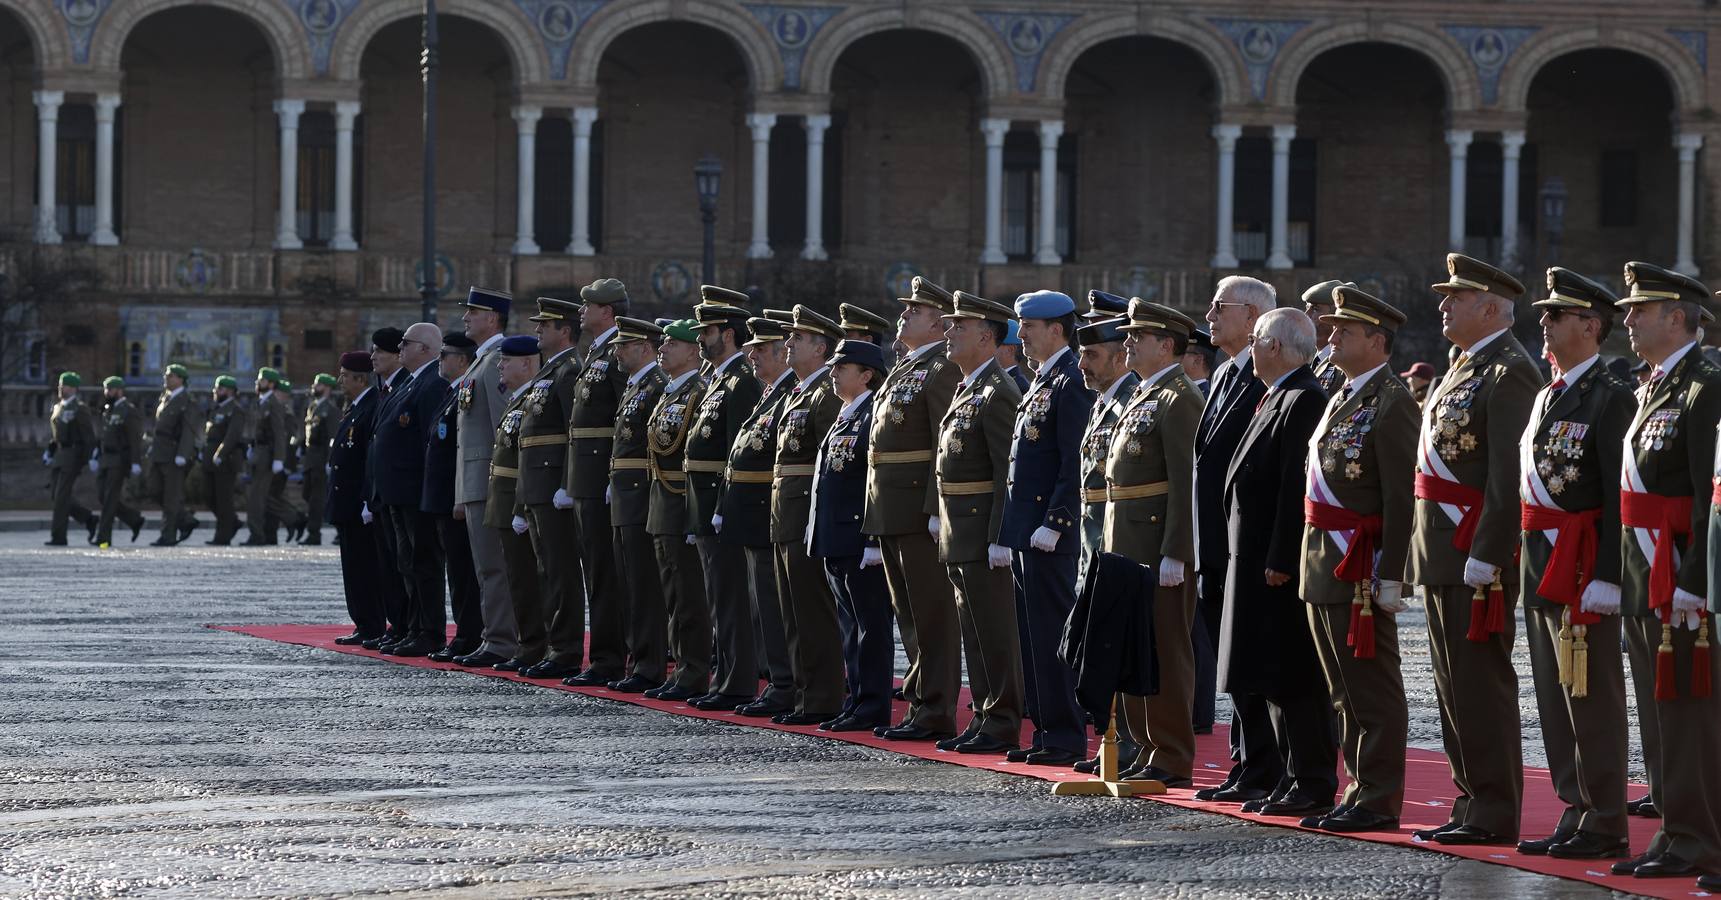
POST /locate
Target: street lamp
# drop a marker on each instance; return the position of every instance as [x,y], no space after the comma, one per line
[1553,200]
[429,288]
[707,175]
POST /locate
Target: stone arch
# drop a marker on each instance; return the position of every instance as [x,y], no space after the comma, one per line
[1462,91]
[1222,63]
[764,68]
[983,46]
[283,32]
[47,35]
[525,49]
[1684,77]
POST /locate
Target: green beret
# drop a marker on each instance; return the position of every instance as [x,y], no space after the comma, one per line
[682,330]
[326,378]
[113,381]
[70,378]
[226,381]
[176,369]
[268,374]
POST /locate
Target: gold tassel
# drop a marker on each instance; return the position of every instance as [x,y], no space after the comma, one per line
[1564,652]
[1580,661]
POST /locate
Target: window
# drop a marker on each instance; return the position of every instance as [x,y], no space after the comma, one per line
[75,171]
[1484,179]
[316,199]
[277,356]
[1252,212]
[787,217]
[134,360]
[553,184]
[1618,188]
[1022,194]
[36,360]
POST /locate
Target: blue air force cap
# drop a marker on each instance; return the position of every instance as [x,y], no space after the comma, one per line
[1044,305]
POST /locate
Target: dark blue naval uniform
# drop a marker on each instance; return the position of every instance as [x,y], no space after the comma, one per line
[348,488]
[1045,491]
[441,449]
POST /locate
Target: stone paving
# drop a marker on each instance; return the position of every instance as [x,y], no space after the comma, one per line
[142,755]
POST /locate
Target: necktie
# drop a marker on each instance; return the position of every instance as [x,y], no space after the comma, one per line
[1556,389]
[1463,358]
[1345,393]
[1263,401]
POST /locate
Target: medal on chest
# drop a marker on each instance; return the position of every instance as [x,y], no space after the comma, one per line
[1659,429]
[466,395]
[511,426]
[840,451]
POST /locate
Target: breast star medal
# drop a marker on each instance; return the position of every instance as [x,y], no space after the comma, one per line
[1353,470]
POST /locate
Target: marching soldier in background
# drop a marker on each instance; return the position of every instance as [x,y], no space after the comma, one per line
[667,517]
[516,369]
[902,512]
[121,456]
[1665,475]
[361,568]
[267,458]
[321,416]
[481,398]
[861,324]
[1570,459]
[223,450]
[1318,306]
[973,465]
[73,440]
[629,495]
[1464,547]
[172,448]
[543,460]
[441,457]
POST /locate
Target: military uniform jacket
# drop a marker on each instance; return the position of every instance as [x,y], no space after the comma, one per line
[348,452]
[269,430]
[1470,430]
[841,488]
[1044,486]
[746,501]
[1330,376]
[591,424]
[320,419]
[73,434]
[544,430]
[630,475]
[807,414]
[441,450]
[122,434]
[176,428]
[1669,450]
[974,463]
[1362,458]
[224,433]
[1150,445]
[666,434]
[908,409]
[481,401]
[1096,444]
[1569,458]
[500,502]
[718,417]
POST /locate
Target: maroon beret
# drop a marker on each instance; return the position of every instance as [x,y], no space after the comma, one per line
[356,361]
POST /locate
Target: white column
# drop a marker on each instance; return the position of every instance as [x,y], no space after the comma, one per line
[1050,131]
[346,112]
[1224,214]
[526,183]
[994,130]
[1511,147]
[1279,256]
[581,242]
[1687,143]
[1458,144]
[761,124]
[47,147]
[815,125]
[287,232]
[103,235]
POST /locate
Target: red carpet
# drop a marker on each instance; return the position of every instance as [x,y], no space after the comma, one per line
[1428,784]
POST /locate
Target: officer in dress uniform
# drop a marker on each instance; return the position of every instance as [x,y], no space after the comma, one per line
[1357,513]
[1104,305]
[223,451]
[1666,468]
[321,416]
[1198,361]
[73,440]
[851,560]
[517,368]
[1570,460]
[172,448]
[267,458]
[637,578]
[667,518]
[361,567]
[441,456]
[1318,305]
[973,466]
[1464,546]
[543,462]
[1149,494]
[591,435]
[1009,355]
[860,324]
[902,512]
[120,457]
[1042,524]
[482,397]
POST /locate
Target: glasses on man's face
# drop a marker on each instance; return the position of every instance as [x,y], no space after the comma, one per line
[405,341]
[1221,304]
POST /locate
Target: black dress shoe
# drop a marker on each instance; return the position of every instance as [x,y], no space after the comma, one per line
[1295,805]
[951,743]
[1709,882]
[347,640]
[1643,806]
[1589,845]
[375,643]
[633,684]
[1236,794]
[480,659]
[589,678]
[803,719]
[1540,847]
[1356,819]
[763,709]
[1629,866]
[850,723]
[1427,834]
[218,542]
[550,668]
[163,542]
[674,694]
[445,655]
[1211,794]
[1315,820]
[1666,866]
[186,529]
[1020,754]
[412,648]
[52,542]
[1052,756]
[726,703]
[910,732]
[513,664]
[984,743]
[1256,805]
[314,539]
[136,529]
[1471,836]
[1155,773]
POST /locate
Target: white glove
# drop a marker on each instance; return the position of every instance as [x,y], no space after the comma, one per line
[365,514]
[247,454]
[95,464]
[47,458]
[1685,601]
[1600,598]
[519,524]
[1686,618]
[562,500]
[606,495]
[717,522]
[179,461]
[277,467]
[1479,574]
[998,556]
[1391,597]
[690,540]
[932,527]
[1170,572]
[1044,540]
[871,557]
[136,470]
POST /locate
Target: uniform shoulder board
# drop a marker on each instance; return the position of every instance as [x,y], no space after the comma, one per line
[1702,366]
[1609,378]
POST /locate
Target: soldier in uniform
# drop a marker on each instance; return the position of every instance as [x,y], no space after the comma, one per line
[120,456]
[731,392]
[223,451]
[1149,491]
[73,440]
[861,324]
[1665,474]
[517,369]
[1009,355]
[902,512]
[1318,306]
[586,479]
[1570,460]
[321,417]
[267,456]
[667,516]
[361,569]
[637,581]
[1041,524]
[481,398]
[1103,305]
[1199,359]
[972,466]
[1464,546]
[441,455]
[543,463]
[172,448]
[1357,513]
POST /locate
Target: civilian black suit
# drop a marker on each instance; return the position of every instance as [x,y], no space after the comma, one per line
[1265,647]
[441,453]
[391,590]
[403,422]
[361,572]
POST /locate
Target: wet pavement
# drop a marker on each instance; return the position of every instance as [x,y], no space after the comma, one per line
[143,755]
